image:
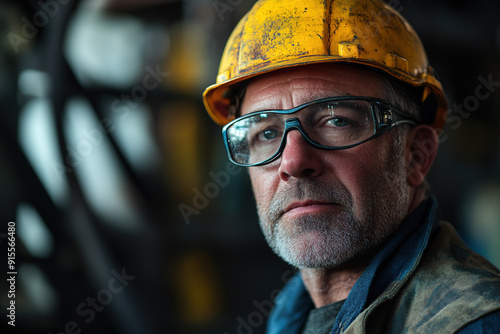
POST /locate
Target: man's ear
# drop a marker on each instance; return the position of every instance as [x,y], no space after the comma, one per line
[421,148]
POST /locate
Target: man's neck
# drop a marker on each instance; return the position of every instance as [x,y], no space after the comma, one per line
[328,286]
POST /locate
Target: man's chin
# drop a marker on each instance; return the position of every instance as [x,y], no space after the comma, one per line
[309,250]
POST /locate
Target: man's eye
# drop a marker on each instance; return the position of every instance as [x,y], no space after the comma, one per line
[338,122]
[268,134]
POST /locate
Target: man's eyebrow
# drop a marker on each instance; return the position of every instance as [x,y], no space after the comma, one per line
[318,97]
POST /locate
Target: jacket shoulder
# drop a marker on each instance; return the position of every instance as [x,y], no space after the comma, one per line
[452,287]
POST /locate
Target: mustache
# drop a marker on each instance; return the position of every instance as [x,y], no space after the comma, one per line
[313,190]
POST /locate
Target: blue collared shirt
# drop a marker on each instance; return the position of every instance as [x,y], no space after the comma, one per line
[398,257]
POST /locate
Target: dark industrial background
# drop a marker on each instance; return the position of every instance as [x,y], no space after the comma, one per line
[110,167]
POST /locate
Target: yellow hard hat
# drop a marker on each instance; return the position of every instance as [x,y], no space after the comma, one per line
[277,34]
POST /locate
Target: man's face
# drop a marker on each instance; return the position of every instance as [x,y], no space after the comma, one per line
[324,208]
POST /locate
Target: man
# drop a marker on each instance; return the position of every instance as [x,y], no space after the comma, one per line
[335,110]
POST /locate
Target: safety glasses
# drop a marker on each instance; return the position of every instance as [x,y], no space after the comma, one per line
[335,123]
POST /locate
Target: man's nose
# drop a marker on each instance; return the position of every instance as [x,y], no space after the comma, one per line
[299,159]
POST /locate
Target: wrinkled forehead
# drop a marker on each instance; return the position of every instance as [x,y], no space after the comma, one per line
[288,88]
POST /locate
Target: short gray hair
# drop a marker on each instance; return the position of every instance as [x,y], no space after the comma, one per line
[402,97]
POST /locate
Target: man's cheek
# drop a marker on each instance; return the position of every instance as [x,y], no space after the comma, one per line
[263,193]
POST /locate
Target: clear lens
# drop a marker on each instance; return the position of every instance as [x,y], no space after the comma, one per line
[256,138]
[339,123]
[332,124]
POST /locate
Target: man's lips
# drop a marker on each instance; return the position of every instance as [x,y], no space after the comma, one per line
[307,206]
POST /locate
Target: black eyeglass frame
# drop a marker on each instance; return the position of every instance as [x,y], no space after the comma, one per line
[382,113]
